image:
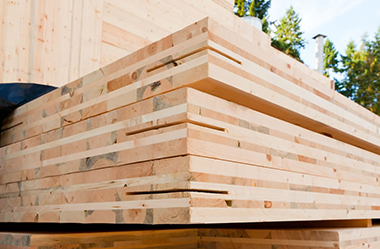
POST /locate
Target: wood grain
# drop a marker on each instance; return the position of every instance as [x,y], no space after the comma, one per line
[199,127]
[54,42]
[196,238]
[210,160]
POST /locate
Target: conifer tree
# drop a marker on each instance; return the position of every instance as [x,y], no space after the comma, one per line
[330,58]
[287,36]
[361,73]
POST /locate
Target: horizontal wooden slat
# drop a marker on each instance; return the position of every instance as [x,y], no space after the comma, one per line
[241,162]
[242,144]
[199,237]
[228,76]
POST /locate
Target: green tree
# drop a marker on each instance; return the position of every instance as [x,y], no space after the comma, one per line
[361,73]
[330,59]
[256,8]
[240,8]
[287,36]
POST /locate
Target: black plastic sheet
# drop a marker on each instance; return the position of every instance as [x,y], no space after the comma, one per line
[13,95]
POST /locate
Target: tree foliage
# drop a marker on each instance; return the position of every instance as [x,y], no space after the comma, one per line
[361,73]
[287,36]
[358,71]
[240,8]
[330,59]
[256,8]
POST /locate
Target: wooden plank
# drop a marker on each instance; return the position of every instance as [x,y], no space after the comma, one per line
[299,238]
[330,157]
[178,38]
[281,100]
[75,40]
[243,165]
[113,53]
[64,14]
[120,38]
[25,32]
[72,111]
[198,237]
[186,238]
[50,46]
[3,19]
[164,16]
[49,68]
[11,40]
[40,27]
[90,36]
[282,165]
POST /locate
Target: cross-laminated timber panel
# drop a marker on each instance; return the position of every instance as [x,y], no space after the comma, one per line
[197,238]
[214,59]
[64,153]
[186,157]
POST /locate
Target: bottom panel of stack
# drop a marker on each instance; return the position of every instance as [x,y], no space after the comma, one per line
[210,237]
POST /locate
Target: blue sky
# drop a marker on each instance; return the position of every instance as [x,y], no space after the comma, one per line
[340,20]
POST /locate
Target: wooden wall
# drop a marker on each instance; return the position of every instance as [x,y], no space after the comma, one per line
[57,41]
[49,42]
[152,20]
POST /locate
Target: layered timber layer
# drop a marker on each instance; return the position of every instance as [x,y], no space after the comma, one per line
[197,238]
[200,127]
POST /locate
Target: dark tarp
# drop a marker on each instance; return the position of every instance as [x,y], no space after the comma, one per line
[13,95]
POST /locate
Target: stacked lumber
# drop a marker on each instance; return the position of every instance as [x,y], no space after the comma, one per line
[54,42]
[197,238]
[131,143]
[305,238]
[152,239]
[187,153]
[219,62]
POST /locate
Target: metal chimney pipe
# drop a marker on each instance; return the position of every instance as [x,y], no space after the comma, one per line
[254,21]
[319,53]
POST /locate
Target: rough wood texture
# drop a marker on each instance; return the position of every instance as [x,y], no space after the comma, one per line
[197,238]
[154,239]
[49,42]
[342,238]
[54,42]
[211,58]
[129,143]
[187,153]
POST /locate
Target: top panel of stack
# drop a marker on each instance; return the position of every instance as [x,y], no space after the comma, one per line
[248,72]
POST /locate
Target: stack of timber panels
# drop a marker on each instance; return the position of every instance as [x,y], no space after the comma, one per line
[200,238]
[202,126]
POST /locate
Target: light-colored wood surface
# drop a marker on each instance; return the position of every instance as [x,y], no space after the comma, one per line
[50,42]
[254,146]
[54,42]
[293,239]
[206,56]
[160,239]
[197,238]
[186,152]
